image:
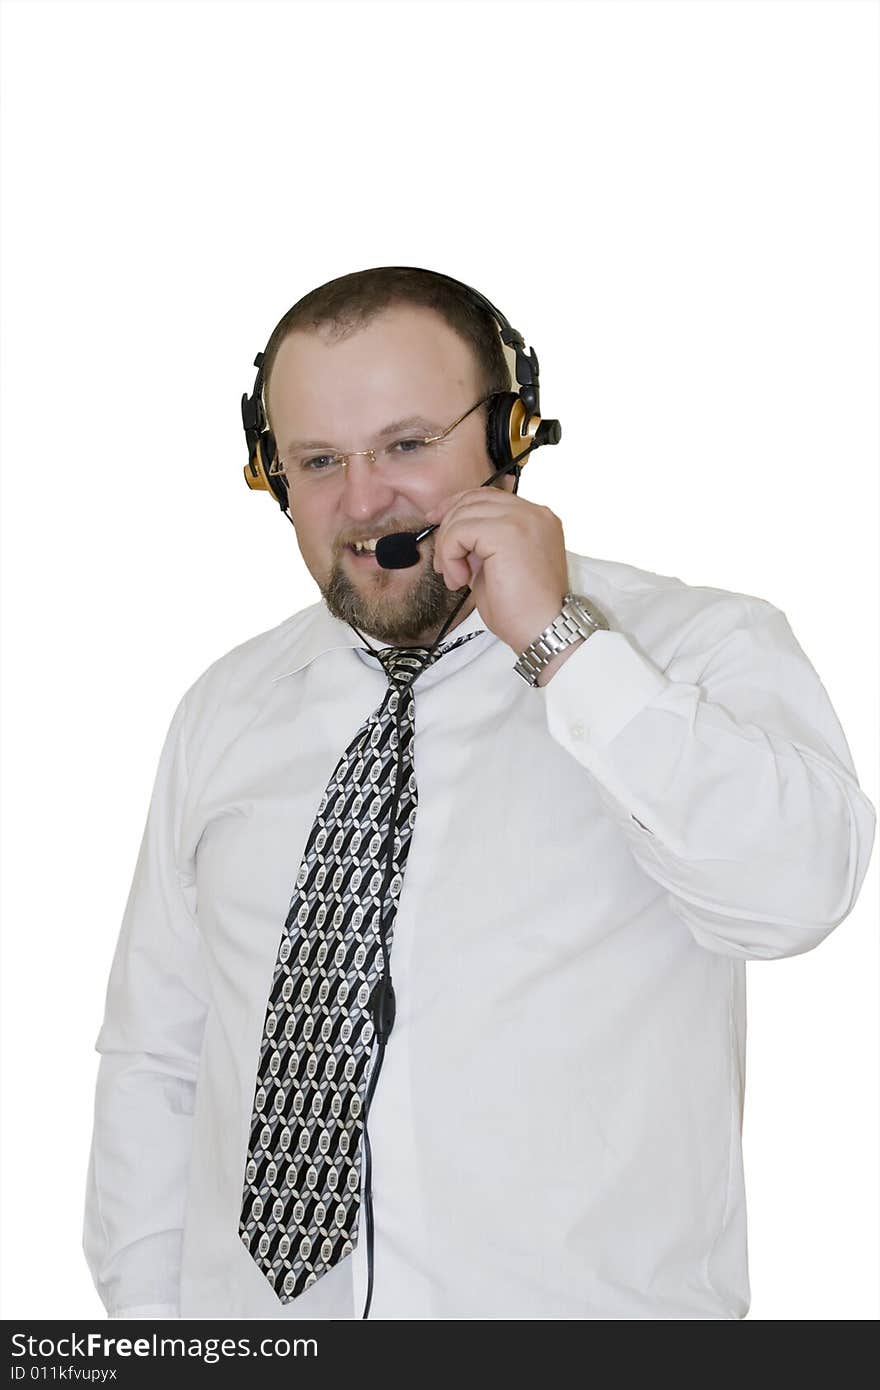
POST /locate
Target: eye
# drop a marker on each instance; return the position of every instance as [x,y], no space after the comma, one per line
[402,445]
[316,460]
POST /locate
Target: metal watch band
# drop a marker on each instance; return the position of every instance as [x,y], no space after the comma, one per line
[579,618]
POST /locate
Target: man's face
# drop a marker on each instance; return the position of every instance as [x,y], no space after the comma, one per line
[406,362]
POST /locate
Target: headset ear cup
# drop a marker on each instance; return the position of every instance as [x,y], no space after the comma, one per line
[498,428]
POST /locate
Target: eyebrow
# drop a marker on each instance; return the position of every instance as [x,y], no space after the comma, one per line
[411,422]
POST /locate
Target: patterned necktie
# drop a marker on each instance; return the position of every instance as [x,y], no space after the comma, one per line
[301,1198]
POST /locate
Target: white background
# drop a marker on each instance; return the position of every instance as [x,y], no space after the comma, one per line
[677,205]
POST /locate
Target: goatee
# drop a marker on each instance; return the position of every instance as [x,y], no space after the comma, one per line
[401,617]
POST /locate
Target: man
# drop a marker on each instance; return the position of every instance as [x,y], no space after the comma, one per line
[581,870]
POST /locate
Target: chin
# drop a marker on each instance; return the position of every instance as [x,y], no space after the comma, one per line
[421,606]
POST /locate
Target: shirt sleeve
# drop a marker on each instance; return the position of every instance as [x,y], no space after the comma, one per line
[150,1046]
[735,788]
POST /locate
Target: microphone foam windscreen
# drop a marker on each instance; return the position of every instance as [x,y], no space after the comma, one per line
[397,552]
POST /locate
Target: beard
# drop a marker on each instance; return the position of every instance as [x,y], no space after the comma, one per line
[388,610]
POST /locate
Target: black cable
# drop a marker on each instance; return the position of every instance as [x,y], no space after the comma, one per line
[368,1176]
[382,998]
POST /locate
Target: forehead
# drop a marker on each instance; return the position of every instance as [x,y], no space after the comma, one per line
[407,360]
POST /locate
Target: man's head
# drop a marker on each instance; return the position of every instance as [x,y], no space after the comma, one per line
[366,350]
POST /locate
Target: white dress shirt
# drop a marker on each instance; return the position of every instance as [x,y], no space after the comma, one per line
[556,1129]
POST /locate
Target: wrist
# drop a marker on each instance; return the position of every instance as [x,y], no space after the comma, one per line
[578,619]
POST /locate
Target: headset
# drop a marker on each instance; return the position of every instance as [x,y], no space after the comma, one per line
[513,428]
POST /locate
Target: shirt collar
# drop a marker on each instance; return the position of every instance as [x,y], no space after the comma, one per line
[321,633]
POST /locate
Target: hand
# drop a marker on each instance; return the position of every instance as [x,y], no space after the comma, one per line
[512,554]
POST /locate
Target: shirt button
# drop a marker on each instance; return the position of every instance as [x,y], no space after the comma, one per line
[577,731]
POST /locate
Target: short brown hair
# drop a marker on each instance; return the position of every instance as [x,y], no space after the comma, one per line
[351,301]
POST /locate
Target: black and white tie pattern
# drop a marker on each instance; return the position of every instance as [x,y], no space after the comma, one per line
[301,1198]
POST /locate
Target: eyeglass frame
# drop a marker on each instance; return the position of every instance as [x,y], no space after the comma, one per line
[363,453]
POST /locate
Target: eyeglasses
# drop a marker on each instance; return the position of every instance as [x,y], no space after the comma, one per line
[395,461]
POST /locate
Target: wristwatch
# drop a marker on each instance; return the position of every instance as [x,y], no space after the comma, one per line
[579,618]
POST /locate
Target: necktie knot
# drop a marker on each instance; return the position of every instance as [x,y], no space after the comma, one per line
[402,664]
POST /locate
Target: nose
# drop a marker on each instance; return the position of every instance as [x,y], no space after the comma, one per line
[365,492]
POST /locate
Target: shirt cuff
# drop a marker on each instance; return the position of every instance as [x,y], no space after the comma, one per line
[148,1310]
[598,690]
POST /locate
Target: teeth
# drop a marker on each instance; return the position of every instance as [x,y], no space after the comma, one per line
[370,545]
